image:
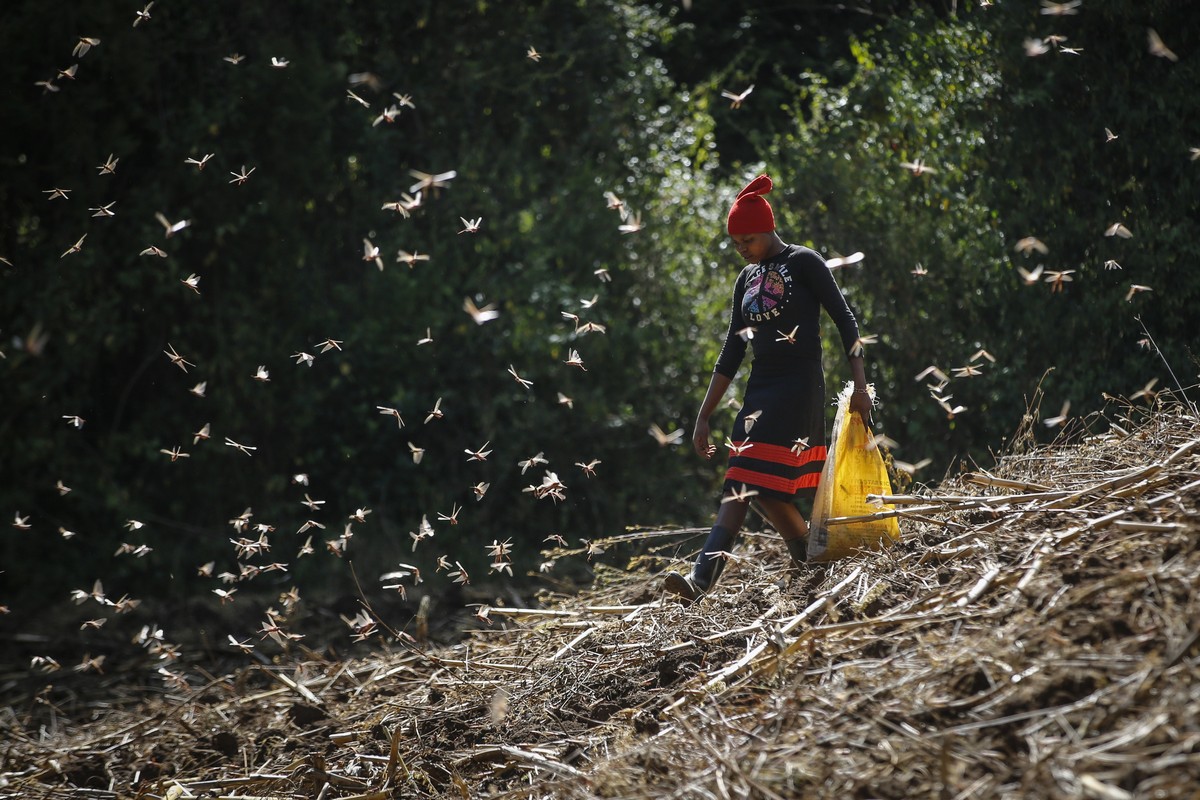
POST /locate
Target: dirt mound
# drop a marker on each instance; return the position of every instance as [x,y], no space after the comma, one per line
[1034,635]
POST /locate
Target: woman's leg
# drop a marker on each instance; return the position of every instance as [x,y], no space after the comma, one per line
[785,517]
[732,514]
[791,526]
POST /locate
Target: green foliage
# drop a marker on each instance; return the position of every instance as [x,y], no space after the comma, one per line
[1064,182]
[1017,148]
[535,145]
[918,95]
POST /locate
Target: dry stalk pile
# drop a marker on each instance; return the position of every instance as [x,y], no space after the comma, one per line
[1035,635]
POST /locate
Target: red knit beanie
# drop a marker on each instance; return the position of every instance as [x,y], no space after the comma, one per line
[751,213]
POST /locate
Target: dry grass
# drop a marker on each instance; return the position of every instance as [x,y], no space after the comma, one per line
[1035,635]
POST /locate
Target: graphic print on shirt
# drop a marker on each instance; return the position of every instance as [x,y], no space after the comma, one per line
[767,289]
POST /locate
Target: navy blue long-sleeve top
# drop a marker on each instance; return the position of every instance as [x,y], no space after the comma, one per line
[781,299]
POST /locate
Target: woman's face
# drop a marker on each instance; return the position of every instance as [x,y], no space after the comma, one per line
[753,247]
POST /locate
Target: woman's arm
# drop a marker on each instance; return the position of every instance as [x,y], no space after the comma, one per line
[733,349]
[830,295]
[716,390]
[860,401]
[732,352]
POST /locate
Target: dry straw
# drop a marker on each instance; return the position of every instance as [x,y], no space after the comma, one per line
[1034,635]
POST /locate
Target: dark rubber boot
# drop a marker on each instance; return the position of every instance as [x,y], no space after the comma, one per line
[707,568]
[798,548]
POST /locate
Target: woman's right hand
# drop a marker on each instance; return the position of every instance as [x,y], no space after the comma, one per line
[700,442]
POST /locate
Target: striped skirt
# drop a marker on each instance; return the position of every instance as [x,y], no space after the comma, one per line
[779,435]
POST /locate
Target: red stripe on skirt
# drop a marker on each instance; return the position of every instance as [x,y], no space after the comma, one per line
[777,454]
[773,482]
[773,454]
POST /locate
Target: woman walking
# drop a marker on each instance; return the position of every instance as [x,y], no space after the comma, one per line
[780,446]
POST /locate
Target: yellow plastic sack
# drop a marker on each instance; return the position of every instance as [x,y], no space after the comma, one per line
[852,471]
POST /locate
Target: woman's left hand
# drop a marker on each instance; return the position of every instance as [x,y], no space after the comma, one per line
[860,402]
